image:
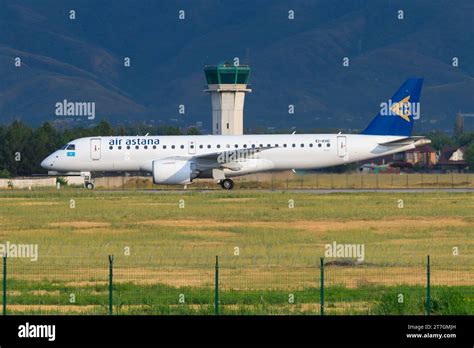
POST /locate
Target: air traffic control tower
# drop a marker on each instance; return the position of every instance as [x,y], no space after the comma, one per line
[227,84]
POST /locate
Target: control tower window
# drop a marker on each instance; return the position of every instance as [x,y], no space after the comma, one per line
[228,77]
[242,78]
[212,78]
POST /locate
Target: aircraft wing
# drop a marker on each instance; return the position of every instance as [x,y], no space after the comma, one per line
[217,160]
[232,154]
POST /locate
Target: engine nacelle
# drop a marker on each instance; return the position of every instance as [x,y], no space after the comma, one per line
[170,171]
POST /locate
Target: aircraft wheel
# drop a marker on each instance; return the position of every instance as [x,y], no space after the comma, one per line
[227,184]
[89,186]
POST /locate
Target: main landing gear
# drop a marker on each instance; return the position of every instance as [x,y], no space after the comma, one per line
[227,184]
[88,181]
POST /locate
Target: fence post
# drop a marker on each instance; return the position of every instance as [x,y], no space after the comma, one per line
[4,285]
[322,286]
[428,287]
[111,266]
[216,295]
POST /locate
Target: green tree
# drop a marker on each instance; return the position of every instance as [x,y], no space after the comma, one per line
[440,139]
[17,149]
[469,155]
[193,131]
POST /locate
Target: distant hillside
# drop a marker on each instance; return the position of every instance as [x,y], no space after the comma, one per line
[295,62]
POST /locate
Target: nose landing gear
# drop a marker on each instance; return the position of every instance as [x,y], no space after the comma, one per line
[227,184]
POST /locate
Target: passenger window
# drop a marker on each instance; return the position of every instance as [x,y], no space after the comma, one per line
[236,146]
[154,147]
[208,146]
[111,147]
[328,145]
[200,146]
[145,147]
[218,146]
[120,147]
[128,147]
[293,145]
[276,145]
[302,145]
[182,146]
[172,146]
[137,147]
[311,145]
[164,147]
[245,146]
[253,146]
[284,145]
[319,145]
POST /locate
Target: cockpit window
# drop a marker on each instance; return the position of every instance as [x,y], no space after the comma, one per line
[64,147]
[71,147]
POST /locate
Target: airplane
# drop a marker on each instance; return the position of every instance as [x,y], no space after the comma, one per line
[182,159]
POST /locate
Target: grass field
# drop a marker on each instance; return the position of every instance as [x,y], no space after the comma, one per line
[165,246]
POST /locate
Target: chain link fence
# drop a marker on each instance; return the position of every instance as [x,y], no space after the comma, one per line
[291,181]
[234,286]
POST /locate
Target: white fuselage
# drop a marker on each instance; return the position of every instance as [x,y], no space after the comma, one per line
[281,152]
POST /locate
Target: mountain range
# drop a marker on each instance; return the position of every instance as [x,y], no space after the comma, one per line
[295,61]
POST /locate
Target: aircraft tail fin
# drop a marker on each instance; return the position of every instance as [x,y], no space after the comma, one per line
[396,116]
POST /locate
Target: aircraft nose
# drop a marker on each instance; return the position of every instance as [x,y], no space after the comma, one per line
[46,163]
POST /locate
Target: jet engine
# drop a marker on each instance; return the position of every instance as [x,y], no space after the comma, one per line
[174,171]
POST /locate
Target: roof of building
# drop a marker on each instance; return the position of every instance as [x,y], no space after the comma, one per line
[447,152]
